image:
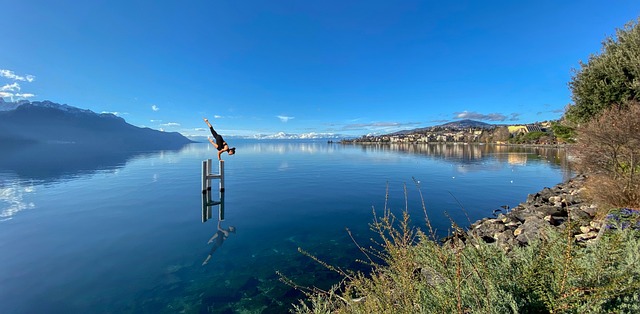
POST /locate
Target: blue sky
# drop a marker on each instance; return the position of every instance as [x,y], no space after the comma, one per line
[344,67]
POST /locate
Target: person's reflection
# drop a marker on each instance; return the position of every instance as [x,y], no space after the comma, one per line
[219,237]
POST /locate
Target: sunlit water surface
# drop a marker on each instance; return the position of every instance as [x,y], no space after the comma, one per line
[125,233]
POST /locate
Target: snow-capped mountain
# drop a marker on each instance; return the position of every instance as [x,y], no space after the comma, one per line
[49,122]
[302,136]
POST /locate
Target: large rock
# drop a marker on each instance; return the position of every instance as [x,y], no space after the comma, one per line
[549,207]
[530,230]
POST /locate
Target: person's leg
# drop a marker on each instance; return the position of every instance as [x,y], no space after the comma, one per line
[213,132]
[217,137]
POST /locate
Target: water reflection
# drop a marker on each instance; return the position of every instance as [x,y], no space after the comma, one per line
[222,233]
[469,153]
[53,162]
[12,198]
[288,147]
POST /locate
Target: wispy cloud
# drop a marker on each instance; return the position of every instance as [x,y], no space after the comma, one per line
[217,117]
[155,121]
[11,75]
[379,125]
[12,90]
[485,117]
[155,108]
[285,119]
[24,95]
[115,113]
[171,124]
[15,87]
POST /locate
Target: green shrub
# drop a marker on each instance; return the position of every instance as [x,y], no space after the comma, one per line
[608,79]
[465,275]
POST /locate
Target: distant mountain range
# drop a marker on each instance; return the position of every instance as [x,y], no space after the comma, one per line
[303,136]
[46,122]
[454,125]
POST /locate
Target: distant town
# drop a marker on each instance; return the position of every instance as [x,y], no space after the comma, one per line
[469,131]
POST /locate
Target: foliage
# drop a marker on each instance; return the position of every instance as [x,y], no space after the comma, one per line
[608,79]
[623,218]
[563,132]
[413,273]
[535,137]
[609,149]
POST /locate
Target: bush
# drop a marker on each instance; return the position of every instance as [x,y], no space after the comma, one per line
[563,132]
[412,273]
[609,149]
[611,78]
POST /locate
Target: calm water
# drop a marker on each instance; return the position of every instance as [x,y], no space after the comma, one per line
[124,233]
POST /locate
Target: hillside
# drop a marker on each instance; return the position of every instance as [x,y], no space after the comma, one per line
[454,125]
[47,122]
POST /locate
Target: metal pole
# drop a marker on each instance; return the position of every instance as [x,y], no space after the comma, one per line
[204,176]
[209,166]
[221,173]
[221,208]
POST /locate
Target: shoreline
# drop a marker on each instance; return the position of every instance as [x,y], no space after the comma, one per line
[558,146]
[555,207]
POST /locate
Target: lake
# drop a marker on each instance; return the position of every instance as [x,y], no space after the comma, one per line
[82,233]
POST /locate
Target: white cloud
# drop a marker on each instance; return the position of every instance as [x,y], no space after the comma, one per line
[379,125]
[217,117]
[154,108]
[11,75]
[155,121]
[11,87]
[285,119]
[480,116]
[115,113]
[171,124]
[16,95]
[25,95]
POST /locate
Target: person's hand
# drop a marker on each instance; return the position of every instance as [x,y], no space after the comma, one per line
[206,120]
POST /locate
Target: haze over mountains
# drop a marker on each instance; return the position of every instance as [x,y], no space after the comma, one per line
[46,122]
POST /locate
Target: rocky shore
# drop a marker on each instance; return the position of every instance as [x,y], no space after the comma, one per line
[554,206]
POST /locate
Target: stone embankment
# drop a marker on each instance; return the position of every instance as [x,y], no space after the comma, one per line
[554,206]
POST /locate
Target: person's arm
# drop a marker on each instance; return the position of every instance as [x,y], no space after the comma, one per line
[220,154]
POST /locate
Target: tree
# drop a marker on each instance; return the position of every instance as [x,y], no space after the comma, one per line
[611,78]
[609,149]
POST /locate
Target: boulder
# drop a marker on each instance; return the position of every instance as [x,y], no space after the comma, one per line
[530,230]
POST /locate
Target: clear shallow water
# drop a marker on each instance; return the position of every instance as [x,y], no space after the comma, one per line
[124,233]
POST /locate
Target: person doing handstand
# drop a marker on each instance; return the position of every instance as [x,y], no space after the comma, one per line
[220,144]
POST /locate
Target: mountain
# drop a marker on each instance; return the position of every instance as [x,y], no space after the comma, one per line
[465,124]
[46,122]
[301,136]
[454,125]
